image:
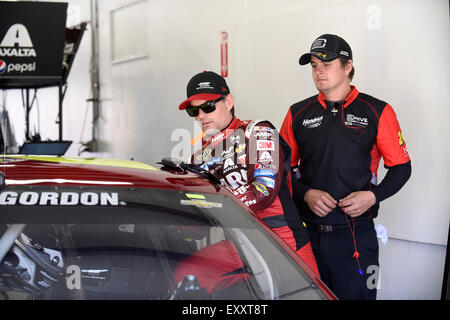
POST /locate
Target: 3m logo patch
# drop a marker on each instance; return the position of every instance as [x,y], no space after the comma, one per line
[265,145]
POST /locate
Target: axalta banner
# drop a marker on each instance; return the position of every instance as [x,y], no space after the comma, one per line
[32,36]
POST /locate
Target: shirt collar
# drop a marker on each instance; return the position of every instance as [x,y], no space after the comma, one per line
[220,136]
[350,98]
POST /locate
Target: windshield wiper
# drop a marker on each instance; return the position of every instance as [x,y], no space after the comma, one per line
[180,165]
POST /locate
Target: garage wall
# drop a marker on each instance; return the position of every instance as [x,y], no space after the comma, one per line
[389,41]
[142,95]
[392,42]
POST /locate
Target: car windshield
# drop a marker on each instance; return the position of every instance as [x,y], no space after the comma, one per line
[132,243]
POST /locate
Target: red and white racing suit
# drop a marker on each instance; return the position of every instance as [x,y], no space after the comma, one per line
[247,157]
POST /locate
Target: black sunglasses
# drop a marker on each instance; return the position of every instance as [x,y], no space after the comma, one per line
[207,107]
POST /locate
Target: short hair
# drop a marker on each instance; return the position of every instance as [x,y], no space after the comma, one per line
[343,63]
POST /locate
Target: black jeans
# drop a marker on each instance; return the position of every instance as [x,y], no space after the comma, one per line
[338,268]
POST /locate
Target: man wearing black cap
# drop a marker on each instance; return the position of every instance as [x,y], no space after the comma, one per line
[247,156]
[337,139]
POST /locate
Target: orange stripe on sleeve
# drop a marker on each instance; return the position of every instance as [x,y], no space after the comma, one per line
[288,135]
[390,141]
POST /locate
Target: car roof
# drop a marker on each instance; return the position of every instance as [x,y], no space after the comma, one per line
[76,171]
[30,170]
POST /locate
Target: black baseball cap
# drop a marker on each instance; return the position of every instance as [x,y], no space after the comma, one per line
[327,47]
[206,85]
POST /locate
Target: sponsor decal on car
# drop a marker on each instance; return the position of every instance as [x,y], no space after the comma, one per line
[201,203]
[31,198]
[195,196]
[86,161]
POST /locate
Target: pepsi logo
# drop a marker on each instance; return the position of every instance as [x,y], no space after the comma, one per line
[2,66]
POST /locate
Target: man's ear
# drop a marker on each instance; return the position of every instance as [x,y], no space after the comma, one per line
[229,101]
[348,66]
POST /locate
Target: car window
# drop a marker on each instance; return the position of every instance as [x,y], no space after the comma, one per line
[131,243]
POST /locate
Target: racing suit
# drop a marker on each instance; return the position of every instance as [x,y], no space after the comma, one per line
[248,157]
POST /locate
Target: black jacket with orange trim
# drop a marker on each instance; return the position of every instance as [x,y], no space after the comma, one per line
[338,151]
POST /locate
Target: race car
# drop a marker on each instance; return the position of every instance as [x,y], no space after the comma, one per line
[91,228]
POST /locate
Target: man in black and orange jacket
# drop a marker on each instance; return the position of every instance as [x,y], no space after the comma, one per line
[337,139]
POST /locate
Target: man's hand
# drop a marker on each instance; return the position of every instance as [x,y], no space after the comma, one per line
[320,202]
[356,203]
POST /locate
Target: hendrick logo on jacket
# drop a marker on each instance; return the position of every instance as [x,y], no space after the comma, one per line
[312,123]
